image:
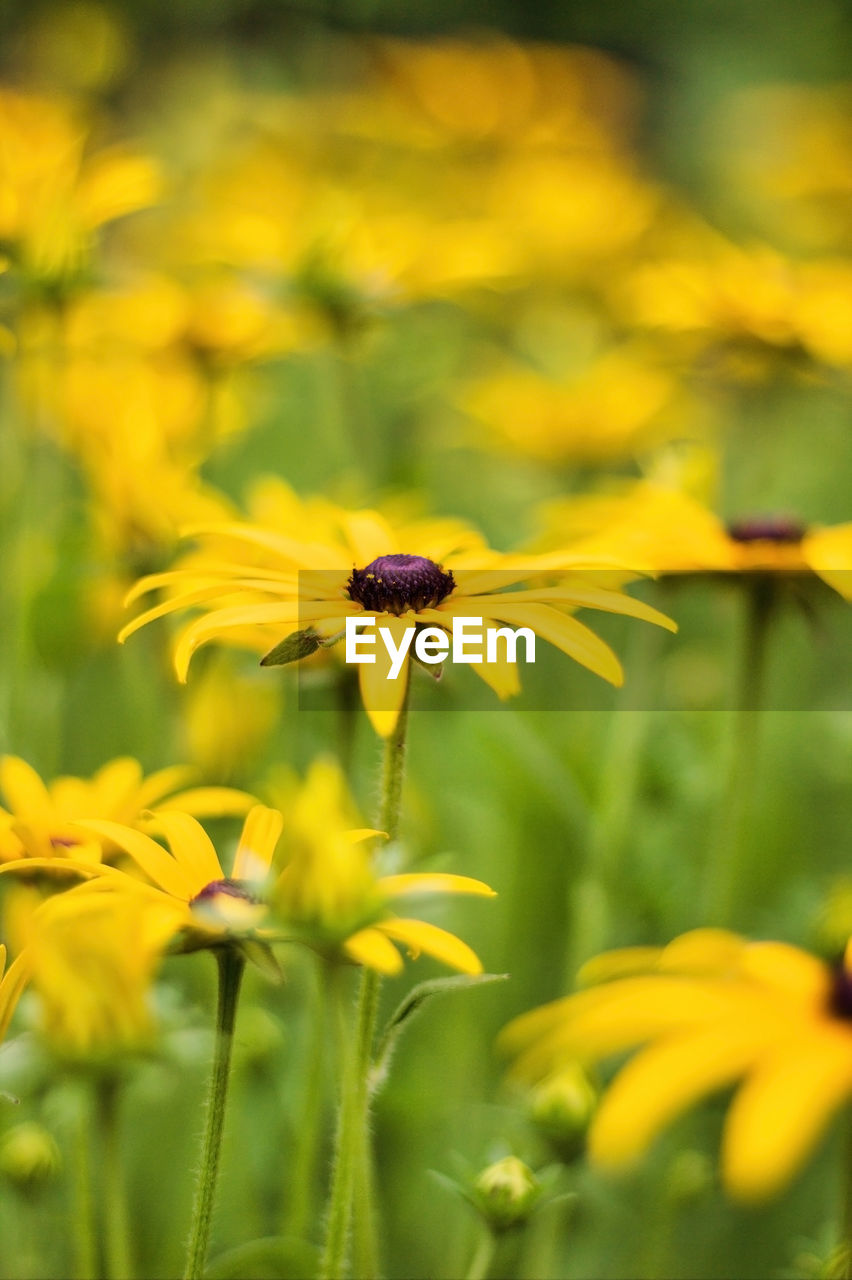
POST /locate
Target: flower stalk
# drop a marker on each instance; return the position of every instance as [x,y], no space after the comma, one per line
[231,965]
[117,1259]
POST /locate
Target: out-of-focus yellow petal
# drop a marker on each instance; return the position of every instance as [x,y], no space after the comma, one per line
[579,594]
[212,802]
[433,882]
[12,984]
[780,1111]
[22,788]
[796,975]
[664,1080]
[703,951]
[829,554]
[283,615]
[368,534]
[419,935]
[373,949]
[257,843]
[192,848]
[623,963]
[160,866]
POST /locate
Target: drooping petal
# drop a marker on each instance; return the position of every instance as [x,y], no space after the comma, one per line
[566,633]
[582,595]
[779,1113]
[383,697]
[283,615]
[829,554]
[419,935]
[373,949]
[197,595]
[157,864]
[163,782]
[212,802]
[667,1078]
[12,984]
[306,555]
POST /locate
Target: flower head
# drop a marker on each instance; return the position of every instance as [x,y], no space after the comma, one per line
[40,821]
[267,587]
[708,1011]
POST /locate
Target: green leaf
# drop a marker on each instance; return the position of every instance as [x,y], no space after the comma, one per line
[301,644]
[411,1005]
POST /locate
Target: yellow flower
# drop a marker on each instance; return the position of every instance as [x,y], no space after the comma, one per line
[40,821]
[92,961]
[329,889]
[660,530]
[256,582]
[12,982]
[709,1010]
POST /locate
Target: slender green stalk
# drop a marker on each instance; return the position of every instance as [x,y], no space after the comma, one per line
[231,965]
[351,1179]
[117,1259]
[844,1252]
[480,1263]
[730,873]
[305,1157]
[83,1218]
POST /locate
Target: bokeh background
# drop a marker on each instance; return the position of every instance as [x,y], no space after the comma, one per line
[470,260]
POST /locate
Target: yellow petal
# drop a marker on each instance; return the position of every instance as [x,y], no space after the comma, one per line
[622,963]
[829,553]
[283,615]
[567,634]
[212,802]
[11,986]
[371,948]
[162,783]
[703,951]
[583,595]
[192,848]
[433,882]
[295,554]
[418,935]
[780,1112]
[665,1080]
[259,837]
[383,697]
[795,974]
[24,791]
[185,600]
[369,535]
[157,864]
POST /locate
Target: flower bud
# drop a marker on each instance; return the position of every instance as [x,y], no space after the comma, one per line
[29,1157]
[506,1192]
[561,1108]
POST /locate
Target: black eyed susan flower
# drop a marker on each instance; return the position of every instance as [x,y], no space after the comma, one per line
[272,590]
[40,820]
[708,1011]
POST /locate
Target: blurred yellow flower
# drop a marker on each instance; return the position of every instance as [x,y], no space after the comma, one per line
[285,585]
[660,530]
[710,1009]
[93,959]
[40,818]
[329,888]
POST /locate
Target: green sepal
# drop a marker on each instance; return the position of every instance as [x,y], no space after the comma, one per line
[301,644]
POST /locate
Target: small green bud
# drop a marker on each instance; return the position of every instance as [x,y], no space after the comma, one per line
[29,1157]
[506,1192]
[298,645]
[561,1108]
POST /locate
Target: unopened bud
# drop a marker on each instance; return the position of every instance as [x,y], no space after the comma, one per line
[29,1157]
[506,1193]
[561,1108]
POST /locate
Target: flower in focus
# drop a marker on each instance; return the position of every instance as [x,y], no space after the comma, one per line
[708,1011]
[661,530]
[256,582]
[329,889]
[40,818]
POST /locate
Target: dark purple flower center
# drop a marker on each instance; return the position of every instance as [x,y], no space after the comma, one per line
[393,584]
[767,529]
[840,994]
[231,889]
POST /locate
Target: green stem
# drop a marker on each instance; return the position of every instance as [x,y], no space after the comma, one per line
[83,1217]
[480,1263]
[116,1233]
[305,1158]
[844,1268]
[729,873]
[231,965]
[352,1168]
